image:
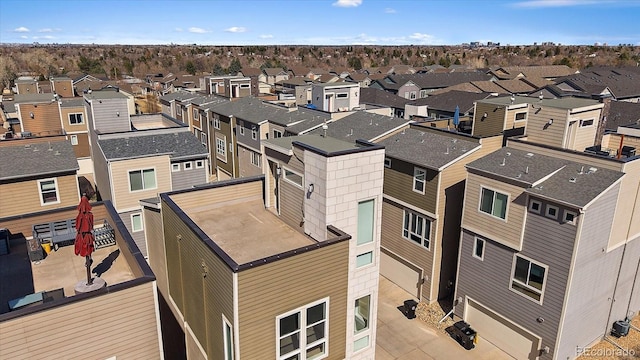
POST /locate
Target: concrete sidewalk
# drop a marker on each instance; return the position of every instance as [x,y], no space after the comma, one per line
[403,339]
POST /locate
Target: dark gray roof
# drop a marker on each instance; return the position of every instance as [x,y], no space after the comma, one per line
[381,97]
[361,125]
[622,113]
[179,145]
[208,99]
[623,82]
[312,119]
[24,160]
[8,106]
[427,148]
[449,100]
[550,177]
[439,80]
[33,98]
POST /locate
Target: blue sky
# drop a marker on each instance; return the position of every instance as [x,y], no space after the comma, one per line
[320,22]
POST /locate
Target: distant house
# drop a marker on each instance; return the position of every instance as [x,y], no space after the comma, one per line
[549,72]
[26,85]
[62,86]
[335,97]
[272,75]
[444,105]
[416,86]
[377,97]
[39,114]
[620,84]
[229,86]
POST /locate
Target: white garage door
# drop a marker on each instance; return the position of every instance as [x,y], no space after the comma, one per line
[500,332]
[402,275]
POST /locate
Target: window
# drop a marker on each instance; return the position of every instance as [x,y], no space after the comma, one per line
[302,333]
[535,206]
[585,123]
[552,212]
[216,121]
[74,139]
[228,339]
[199,164]
[423,93]
[293,177]
[387,163]
[478,248]
[136,222]
[188,165]
[255,158]
[277,134]
[254,132]
[342,95]
[521,116]
[76,119]
[142,179]
[48,191]
[416,228]
[363,306]
[364,259]
[412,95]
[203,139]
[241,126]
[570,217]
[244,86]
[221,148]
[494,203]
[175,167]
[361,343]
[528,278]
[366,211]
[195,114]
[419,180]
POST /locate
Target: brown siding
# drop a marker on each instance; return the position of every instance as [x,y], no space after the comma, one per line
[244,162]
[83,149]
[509,231]
[64,88]
[493,124]
[398,183]
[321,273]
[23,197]
[46,118]
[64,118]
[125,321]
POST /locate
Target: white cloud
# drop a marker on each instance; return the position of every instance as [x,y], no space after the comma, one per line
[179,29]
[364,39]
[21,29]
[46,30]
[390,11]
[348,3]
[266,36]
[45,37]
[236,29]
[24,37]
[197,30]
[423,38]
[559,3]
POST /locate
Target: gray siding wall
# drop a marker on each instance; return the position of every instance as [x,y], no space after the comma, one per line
[593,281]
[546,241]
[104,115]
[185,179]
[246,138]
[100,170]
[137,236]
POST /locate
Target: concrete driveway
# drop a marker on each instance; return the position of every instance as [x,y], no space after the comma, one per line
[403,339]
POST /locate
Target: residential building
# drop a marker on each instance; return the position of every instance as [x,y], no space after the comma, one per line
[362,125]
[273,75]
[549,248]
[444,105]
[415,86]
[229,86]
[26,85]
[62,86]
[74,124]
[38,114]
[335,97]
[548,72]
[621,84]
[377,97]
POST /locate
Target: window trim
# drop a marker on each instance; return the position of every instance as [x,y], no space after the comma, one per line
[57,190]
[74,139]
[221,152]
[582,121]
[477,239]
[506,210]
[549,207]
[342,95]
[277,134]
[188,165]
[387,163]
[564,217]
[408,228]
[416,170]
[544,279]
[539,203]
[199,164]
[225,339]
[175,167]
[142,174]
[284,176]
[216,121]
[515,116]
[241,126]
[254,132]
[203,139]
[257,157]
[133,229]
[367,264]
[303,325]
[76,113]
[245,86]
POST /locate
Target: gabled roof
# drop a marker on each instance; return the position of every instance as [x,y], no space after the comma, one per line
[488,86]
[178,145]
[622,113]
[274,71]
[381,97]
[438,80]
[569,182]
[249,71]
[362,125]
[515,86]
[45,158]
[358,76]
[546,71]
[623,83]
[299,70]
[449,100]
[427,148]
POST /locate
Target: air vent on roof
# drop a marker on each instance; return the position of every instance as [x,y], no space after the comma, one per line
[581,170]
[572,180]
[529,155]
[592,170]
[504,162]
[508,153]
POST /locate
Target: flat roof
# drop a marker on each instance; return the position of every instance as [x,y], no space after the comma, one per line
[326,144]
[246,231]
[104,94]
[561,103]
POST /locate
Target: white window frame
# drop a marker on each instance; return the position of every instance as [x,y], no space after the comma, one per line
[196,114]
[387,163]
[199,164]
[551,207]
[408,229]
[254,132]
[155,179]
[476,240]
[216,121]
[536,202]
[493,201]
[527,286]
[57,191]
[284,176]
[416,172]
[241,126]
[302,349]
[277,134]
[188,165]
[133,229]
[423,93]
[203,139]
[359,256]
[228,343]
[175,167]
[255,158]
[412,95]
[564,217]
[76,117]
[221,149]
[515,116]
[592,122]
[74,140]
[368,322]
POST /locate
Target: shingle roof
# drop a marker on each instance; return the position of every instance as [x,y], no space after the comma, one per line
[381,97]
[273,71]
[488,86]
[546,71]
[178,145]
[439,80]
[361,125]
[623,83]
[45,158]
[515,86]
[426,148]
[249,71]
[551,177]
[326,144]
[449,100]
[561,103]
[622,113]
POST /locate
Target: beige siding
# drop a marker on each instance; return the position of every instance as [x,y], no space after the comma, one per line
[493,124]
[509,231]
[123,198]
[155,245]
[626,224]
[398,183]
[276,289]
[585,136]
[538,128]
[64,117]
[612,141]
[291,205]
[121,324]
[24,197]
[46,118]
[510,120]
[212,196]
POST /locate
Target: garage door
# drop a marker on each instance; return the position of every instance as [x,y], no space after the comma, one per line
[500,332]
[403,275]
